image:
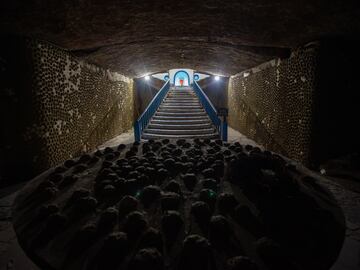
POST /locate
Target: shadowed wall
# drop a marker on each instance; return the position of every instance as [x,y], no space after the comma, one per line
[337,109]
[55,107]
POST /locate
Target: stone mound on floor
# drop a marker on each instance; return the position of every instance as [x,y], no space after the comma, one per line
[182,204]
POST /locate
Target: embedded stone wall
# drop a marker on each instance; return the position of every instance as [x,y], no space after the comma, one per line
[273,104]
[71,106]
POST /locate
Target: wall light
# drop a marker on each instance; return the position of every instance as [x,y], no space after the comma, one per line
[217,78]
[147,77]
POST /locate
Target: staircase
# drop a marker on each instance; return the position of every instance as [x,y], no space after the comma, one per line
[180,115]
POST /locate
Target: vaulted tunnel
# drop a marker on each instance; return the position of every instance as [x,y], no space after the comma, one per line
[79,77]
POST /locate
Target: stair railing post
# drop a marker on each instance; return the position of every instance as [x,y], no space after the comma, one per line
[137,131]
[224,130]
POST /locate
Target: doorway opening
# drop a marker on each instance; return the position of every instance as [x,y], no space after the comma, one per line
[181,78]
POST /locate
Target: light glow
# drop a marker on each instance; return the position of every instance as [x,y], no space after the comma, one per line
[217,78]
[147,77]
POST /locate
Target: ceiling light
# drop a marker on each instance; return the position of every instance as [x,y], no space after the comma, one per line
[217,78]
[147,77]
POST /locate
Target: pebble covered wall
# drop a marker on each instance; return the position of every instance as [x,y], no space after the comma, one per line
[72,106]
[273,104]
[81,106]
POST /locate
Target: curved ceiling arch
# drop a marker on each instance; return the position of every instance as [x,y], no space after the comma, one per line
[216,36]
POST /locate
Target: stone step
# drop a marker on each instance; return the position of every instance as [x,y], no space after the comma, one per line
[181,121]
[181,88]
[181,91]
[180,110]
[181,103]
[179,132]
[181,97]
[182,100]
[181,114]
[180,118]
[190,101]
[182,94]
[148,136]
[189,89]
[177,106]
[190,126]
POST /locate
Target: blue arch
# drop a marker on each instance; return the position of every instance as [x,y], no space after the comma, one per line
[182,72]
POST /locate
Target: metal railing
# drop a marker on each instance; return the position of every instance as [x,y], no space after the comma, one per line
[142,122]
[221,126]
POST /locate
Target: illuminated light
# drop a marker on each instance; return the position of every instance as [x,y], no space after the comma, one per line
[138,194]
[217,78]
[212,194]
[147,77]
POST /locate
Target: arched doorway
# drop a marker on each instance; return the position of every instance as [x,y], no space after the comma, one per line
[181,78]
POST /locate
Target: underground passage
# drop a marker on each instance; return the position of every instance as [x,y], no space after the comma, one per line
[160,135]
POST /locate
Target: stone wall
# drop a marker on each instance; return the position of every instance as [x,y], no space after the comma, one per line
[54,107]
[273,104]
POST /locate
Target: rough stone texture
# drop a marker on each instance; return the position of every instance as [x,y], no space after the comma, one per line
[348,197]
[285,204]
[273,104]
[70,108]
[306,106]
[136,37]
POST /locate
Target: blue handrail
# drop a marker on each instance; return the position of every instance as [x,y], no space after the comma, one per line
[221,126]
[142,122]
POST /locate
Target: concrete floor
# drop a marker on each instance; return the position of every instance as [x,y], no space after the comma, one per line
[12,257]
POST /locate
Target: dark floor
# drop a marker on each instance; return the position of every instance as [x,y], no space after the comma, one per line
[11,254]
[13,257]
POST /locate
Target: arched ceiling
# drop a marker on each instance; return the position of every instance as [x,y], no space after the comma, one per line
[134,37]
